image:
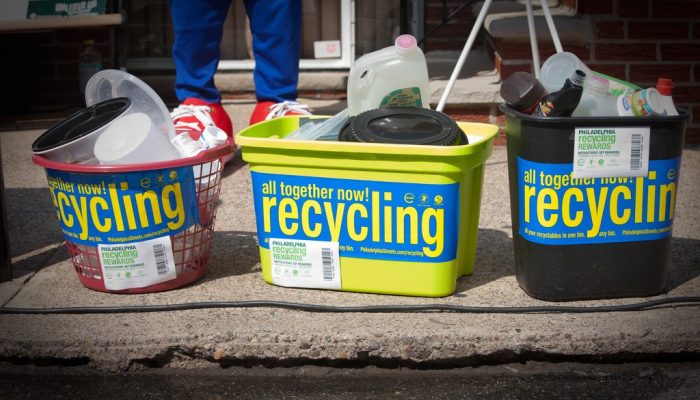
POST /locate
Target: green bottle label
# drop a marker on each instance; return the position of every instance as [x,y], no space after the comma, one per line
[407,97]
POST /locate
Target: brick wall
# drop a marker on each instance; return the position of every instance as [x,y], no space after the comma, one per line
[44,70]
[638,41]
[453,34]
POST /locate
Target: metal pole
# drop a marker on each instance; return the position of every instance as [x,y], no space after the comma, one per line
[552,28]
[463,56]
[534,49]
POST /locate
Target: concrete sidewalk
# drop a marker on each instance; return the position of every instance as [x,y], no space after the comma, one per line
[44,277]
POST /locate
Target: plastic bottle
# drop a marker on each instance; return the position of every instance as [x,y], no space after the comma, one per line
[188,147]
[394,76]
[558,67]
[522,91]
[665,88]
[90,63]
[596,101]
[563,102]
[641,103]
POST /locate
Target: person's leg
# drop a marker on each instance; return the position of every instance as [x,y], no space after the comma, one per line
[276,29]
[198,27]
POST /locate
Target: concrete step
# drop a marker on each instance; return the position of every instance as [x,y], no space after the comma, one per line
[478,81]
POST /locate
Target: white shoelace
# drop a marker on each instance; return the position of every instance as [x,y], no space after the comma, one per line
[281,109]
[201,113]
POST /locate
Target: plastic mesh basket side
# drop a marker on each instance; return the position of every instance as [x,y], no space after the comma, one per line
[190,247]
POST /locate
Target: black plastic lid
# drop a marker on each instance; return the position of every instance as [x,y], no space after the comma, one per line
[81,123]
[403,125]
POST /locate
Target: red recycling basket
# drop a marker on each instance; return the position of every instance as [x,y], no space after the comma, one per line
[114,217]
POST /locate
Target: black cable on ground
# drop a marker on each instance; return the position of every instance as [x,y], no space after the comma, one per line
[412,308]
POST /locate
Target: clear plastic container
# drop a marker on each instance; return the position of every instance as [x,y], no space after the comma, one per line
[558,68]
[112,83]
[393,76]
[595,100]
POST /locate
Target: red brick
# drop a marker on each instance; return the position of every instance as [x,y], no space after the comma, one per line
[497,59]
[451,30]
[625,52]
[614,70]
[506,70]
[686,94]
[680,51]
[676,9]
[443,44]
[695,114]
[610,29]
[633,8]
[692,135]
[658,30]
[433,12]
[513,51]
[595,7]
[651,72]
[522,51]
[500,140]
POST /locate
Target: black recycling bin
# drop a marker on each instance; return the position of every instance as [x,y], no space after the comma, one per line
[591,238]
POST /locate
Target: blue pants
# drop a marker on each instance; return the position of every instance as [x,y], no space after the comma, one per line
[198,26]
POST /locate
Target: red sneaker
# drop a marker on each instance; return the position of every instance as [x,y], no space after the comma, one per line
[194,115]
[267,110]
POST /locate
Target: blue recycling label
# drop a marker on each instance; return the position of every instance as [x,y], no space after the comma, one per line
[556,209]
[369,219]
[126,207]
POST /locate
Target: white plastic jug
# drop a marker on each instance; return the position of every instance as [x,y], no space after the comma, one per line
[596,101]
[393,76]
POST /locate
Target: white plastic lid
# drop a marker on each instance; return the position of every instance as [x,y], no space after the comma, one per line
[111,83]
[655,102]
[558,68]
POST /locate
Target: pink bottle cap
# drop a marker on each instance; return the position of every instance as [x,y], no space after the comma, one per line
[405,43]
